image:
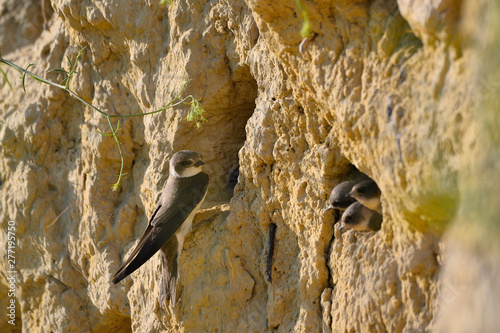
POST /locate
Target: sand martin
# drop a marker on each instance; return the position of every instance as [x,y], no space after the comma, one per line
[368,194]
[359,217]
[339,198]
[182,196]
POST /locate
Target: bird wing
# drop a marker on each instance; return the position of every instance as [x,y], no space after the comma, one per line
[167,218]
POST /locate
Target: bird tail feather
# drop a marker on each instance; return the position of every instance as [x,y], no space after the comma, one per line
[169,273]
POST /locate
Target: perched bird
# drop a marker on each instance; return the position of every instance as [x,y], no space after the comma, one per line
[172,219]
[368,194]
[339,198]
[359,217]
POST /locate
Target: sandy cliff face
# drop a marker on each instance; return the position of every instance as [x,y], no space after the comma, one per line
[404,92]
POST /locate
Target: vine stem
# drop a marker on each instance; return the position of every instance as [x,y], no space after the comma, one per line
[65,87]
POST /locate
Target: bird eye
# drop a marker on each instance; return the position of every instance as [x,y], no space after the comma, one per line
[185,163]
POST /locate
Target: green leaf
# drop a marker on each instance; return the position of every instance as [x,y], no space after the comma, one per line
[6,78]
[305,31]
[24,75]
[196,112]
[117,127]
[306,28]
[57,70]
[70,63]
[103,134]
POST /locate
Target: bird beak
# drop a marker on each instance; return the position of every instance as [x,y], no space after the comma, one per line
[197,164]
[330,207]
[341,227]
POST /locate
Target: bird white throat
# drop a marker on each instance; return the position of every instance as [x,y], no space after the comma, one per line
[189,172]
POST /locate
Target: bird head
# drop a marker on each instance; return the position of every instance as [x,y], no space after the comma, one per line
[185,163]
[366,190]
